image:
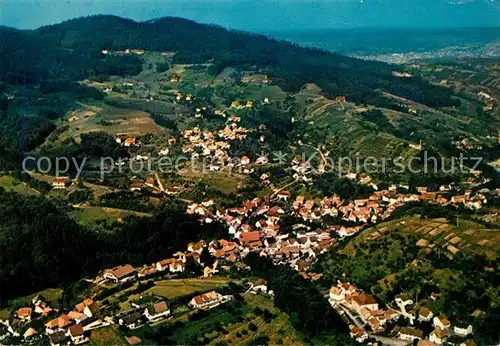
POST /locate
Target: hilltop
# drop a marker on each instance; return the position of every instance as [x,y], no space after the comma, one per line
[73,49]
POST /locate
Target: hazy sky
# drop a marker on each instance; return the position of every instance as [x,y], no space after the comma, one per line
[264,15]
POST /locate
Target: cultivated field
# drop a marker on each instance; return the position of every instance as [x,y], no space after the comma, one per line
[439,233]
[172,289]
[106,336]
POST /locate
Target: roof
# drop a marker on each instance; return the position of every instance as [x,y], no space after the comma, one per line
[121,271]
[205,297]
[75,315]
[76,330]
[61,322]
[132,318]
[335,290]
[248,237]
[24,312]
[157,308]
[411,331]
[57,337]
[425,312]
[30,332]
[440,333]
[444,320]
[364,299]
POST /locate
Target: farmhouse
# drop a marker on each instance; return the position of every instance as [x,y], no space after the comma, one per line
[364,301]
[131,321]
[438,336]
[75,332]
[60,183]
[157,310]
[120,273]
[56,324]
[407,333]
[24,314]
[58,338]
[441,322]
[207,300]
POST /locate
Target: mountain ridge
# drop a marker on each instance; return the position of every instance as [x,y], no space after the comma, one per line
[72,49]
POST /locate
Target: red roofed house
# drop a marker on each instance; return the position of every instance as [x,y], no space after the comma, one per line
[157,310]
[364,301]
[56,324]
[284,195]
[120,273]
[130,142]
[206,300]
[75,332]
[337,294]
[24,314]
[249,237]
[60,183]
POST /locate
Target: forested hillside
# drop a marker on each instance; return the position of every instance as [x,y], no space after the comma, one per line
[73,49]
[40,246]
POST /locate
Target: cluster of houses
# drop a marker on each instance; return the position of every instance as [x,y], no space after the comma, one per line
[61,330]
[153,312]
[365,313]
[126,141]
[213,146]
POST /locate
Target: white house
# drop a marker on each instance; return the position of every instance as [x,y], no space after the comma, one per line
[438,336]
[441,322]
[337,294]
[131,321]
[119,273]
[463,330]
[410,334]
[157,310]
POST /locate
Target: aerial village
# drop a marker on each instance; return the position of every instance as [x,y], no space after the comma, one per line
[256,227]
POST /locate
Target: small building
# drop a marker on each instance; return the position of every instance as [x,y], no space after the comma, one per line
[284,195]
[24,314]
[425,314]
[131,321]
[337,294]
[60,183]
[157,310]
[76,333]
[410,334]
[175,78]
[119,273]
[441,322]
[129,142]
[57,324]
[206,300]
[58,338]
[438,336]
[364,301]
[463,330]
[245,160]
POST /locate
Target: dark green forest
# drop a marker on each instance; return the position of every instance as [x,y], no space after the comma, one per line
[72,49]
[40,246]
